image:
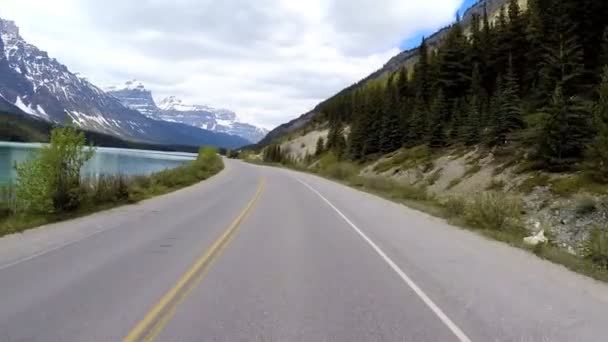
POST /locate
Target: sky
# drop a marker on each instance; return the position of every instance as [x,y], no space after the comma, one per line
[267,60]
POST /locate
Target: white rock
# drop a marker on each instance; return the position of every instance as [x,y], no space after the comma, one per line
[536,239]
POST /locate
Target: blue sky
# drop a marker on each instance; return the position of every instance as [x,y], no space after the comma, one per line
[415,40]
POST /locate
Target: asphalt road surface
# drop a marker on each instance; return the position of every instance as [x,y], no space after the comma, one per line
[263,254]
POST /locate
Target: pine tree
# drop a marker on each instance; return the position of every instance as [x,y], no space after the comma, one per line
[439,112]
[320,146]
[392,135]
[511,105]
[603,59]
[566,132]
[508,113]
[487,46]
[535,53]
[454,70]
[598,151]
[472,130]
[422,74]
[563,66]
[417,130]
[518,45]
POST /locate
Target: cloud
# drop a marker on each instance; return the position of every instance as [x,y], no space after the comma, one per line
[269,60]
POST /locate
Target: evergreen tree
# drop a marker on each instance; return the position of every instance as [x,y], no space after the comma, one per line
[487,46]
[535,53]
[518,44]
[563,66]
[508,116]
[439,112]
[392,134]
[422,74]
[472,129]
[320,146]
[454,71]
[603,59]
[599,147]
[418,124]
[565,133]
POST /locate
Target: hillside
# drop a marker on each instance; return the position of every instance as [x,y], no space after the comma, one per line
[405,58]
[38,85]
[23,128]
[513,107]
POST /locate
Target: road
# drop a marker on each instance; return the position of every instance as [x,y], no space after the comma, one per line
[263,254]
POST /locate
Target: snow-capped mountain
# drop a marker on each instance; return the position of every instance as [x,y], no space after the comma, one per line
[41,86]
[134,95]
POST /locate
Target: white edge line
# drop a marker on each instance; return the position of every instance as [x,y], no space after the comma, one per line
[52,249]
[442,316]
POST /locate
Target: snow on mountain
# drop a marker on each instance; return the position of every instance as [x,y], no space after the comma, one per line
[214,119]
[135,96]
[172,109]
[38,85]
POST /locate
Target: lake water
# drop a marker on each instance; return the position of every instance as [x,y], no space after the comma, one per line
[107,161]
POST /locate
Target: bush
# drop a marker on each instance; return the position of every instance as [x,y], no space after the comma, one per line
[494,211]
[496,185]
[585,205]
[407,159]
[596,247]
[109,189]
[454,207]
[392,188]
[50,181]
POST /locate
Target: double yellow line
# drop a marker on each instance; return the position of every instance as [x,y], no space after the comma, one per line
[157,318]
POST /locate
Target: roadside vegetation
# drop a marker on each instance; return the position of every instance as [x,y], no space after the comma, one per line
[525,88]
[492,213]
[50,186]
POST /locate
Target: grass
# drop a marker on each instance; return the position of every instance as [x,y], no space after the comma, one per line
[406,159]
[538,179]
[454,183]
[496,185]
[474,169]
[434,177]
[108,192]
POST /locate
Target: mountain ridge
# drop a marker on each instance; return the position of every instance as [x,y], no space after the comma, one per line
[402,59]
[41,86]
[135,95]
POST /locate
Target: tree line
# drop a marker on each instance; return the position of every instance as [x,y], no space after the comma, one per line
[537,76]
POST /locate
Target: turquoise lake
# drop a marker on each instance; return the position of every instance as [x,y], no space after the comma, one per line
[107,161]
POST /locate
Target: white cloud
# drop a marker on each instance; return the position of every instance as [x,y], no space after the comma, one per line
[269,60]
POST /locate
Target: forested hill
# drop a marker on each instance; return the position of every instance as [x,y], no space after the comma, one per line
[404,59]
[532,76]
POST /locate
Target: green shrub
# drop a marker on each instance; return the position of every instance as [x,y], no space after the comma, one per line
[406,159]
[585,205]
[393,188]
[454,206]
[50,181]
[494,211]
[565,186]
[496,185]
[596,247]
[109,189]
[472,170]
[536,180]
[454,183]
[434,177]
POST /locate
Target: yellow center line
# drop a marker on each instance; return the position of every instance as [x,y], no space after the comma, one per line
[157,318]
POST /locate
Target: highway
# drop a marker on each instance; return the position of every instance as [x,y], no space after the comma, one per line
[265,254]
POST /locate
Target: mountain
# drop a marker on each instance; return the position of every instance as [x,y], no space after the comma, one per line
[405,58]
[135,96]
[41,86]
